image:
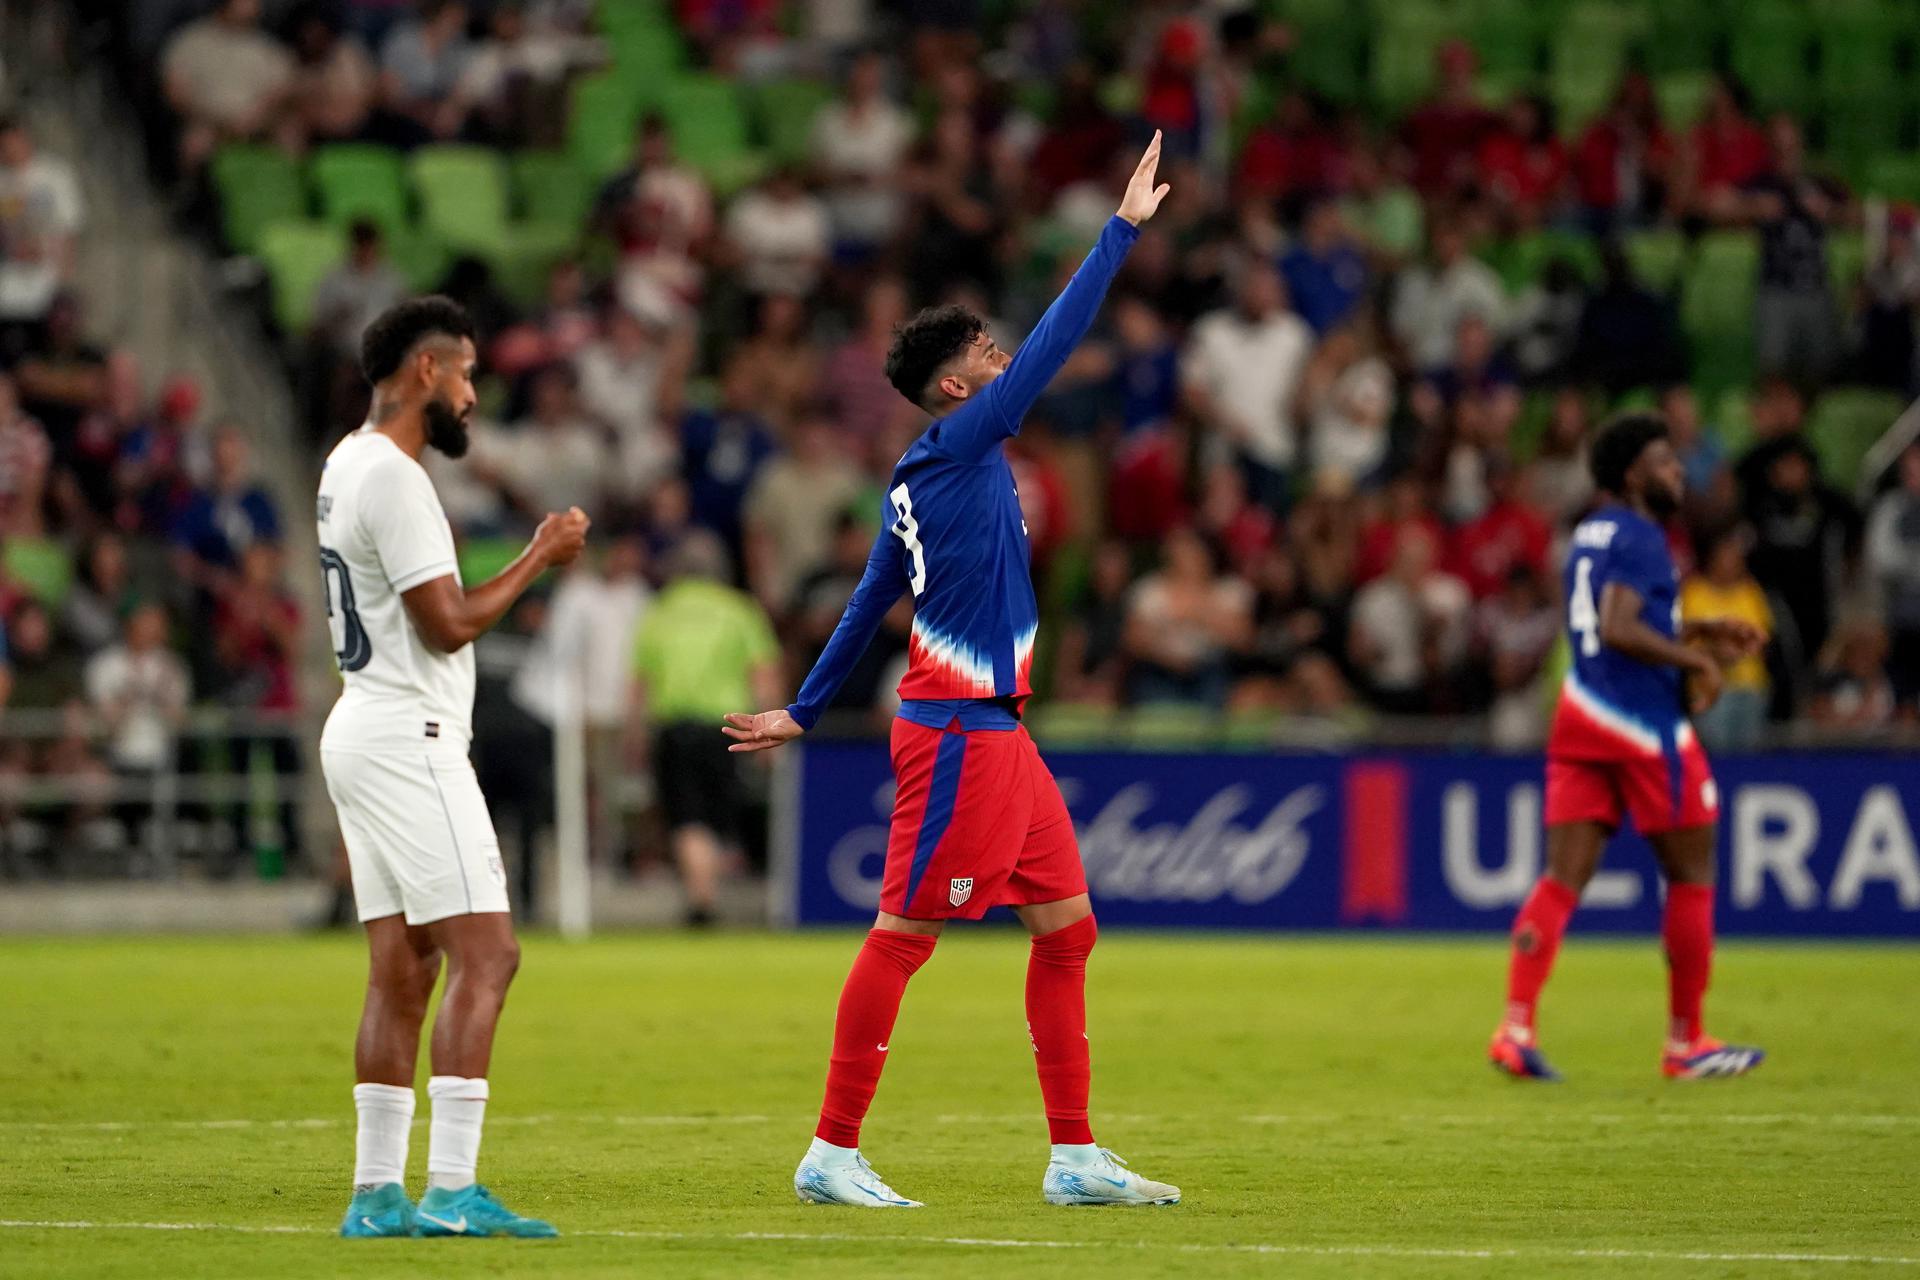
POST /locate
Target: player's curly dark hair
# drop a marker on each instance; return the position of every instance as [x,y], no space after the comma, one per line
[924,343]
[388,339]
[1619,445]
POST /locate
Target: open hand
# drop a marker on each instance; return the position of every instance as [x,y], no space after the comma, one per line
[1143,198]
[761,732]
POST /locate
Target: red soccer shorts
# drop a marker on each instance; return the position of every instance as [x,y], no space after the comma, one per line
[1661,792]
[978,822]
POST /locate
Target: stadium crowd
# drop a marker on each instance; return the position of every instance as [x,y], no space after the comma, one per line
[1321,449]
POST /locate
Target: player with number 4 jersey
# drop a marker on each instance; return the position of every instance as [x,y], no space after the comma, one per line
[1621,746]
[977,819]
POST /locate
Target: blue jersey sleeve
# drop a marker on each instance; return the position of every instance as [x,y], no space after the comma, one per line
[1639,559]
[880,585]
[970,431]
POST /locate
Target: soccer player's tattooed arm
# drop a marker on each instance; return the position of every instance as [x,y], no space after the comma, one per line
[449,616]
[883,582]
[1621,628]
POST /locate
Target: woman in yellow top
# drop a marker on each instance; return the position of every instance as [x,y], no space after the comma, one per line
[1722,588]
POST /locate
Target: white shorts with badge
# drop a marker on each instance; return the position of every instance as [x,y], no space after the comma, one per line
[419,838]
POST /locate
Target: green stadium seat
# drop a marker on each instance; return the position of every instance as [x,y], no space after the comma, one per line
[1252,730]
[526,256]
[1174,726]
[1768,46]
[1860,48]
[41,565]
[421,257]
[1682,96]
[1402,70]
[648,54]
[1731,419]
[1846,260]
[257,186]
[1657,257]
[1844,424]
[298,256]
[710,131]
[482,558]
[600,122]
[1681,38]
[1895,175]
[785,110]
[1856,133]
[1510,36]
[550,188]
[463,196]
[1526,258]
[356,180]
[1330,58]
[1716,307]
[1072,724]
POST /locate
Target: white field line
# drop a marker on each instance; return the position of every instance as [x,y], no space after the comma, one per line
[1144,1246]
[1837,1119]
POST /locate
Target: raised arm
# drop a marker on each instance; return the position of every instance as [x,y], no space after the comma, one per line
[880,585]
[448,616]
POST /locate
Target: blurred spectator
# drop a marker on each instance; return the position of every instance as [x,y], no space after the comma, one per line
[41,214]
[1297,150]
[1347,392]
[1509,537]
[779,235]
[139,689]
[102,593]
[1445,132]
[1147,364]
[44,675]
[1469,453]
[791,509]
[1185,623]
[722,451]
[1288,665]
[659,212]
[422,66]
[334,82]
[1241,374]
[1090,665]
[703,650]
[956,221]
[1623,162]
[156,459]
[1728,151]
[1080,141]
[1558,480]
[1893,564]
[1432,299]
[223,519]
[26,459]
[859,143]
[1889,294]
[1807,534]
[1546,319]
[1237,529]
[1852,688]
[1793,317]
[556,457]
[781,360]
[1722,588]
[1174,95]
[1710,493]
[1403,505]
[256,626]
[226,78]
[348,297]
[516,76]
[1628,334]
[1522,163]
[631,383]
[1477,370]
[864,405]
[62,375]
[1515,631]
[1409,626]
[1325,271]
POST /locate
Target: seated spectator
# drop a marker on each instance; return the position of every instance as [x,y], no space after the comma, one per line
[1477,369]
[139,690]
[1514,631]
[1893,566]
[1347,394]
[658,210]
[1444,133]
[1402,505]
[783,362]
[1147,487]
[1091,663]
[61,376]
[1241,374]
[1727,150]
[1080,141]
[422,66]
[1558,479]
[631,382]
[344,303]
[1290,662]
[1509,536]
[1711,498]
[227,79]
[954,219]
[102,593]
[1628,334]
[1889,295]
[516,77]
[26,462]
[1623,163]
[1546,320]
[152,476]
[1184,624]
[1722,588]
[778,236]
[556,457]
[1147,364]
[44,674]
[1238,529]
[1793,313]
[863,404]
[335,82]
[1851,683]
[1325,271]
[225,517]
[791,509]
[1807,535]
[41,214]
[1467,456]
[1433,298]
[1299,150]
[88,490]
[859,143]
[721,452]
[1523,165]
[256,629]
[1409,627]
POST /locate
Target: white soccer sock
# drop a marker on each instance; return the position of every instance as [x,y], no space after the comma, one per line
[380,1144]
[824,1152]
[453,1139]
[1076,1153]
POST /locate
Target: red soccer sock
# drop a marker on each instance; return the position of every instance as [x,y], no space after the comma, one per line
[1057,1025]
[1688,932]
[1536,941]
[868,1005]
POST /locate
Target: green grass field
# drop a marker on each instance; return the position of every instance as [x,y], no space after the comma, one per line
[1323,1104]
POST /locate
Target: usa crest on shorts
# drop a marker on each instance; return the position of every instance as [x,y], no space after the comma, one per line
[959,889]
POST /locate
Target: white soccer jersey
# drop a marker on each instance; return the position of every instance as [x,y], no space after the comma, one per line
[383,532]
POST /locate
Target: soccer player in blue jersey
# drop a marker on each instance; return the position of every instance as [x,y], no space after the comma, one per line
[977,819]
[1621,743]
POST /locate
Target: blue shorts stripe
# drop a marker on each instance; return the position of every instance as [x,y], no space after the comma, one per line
[941,792]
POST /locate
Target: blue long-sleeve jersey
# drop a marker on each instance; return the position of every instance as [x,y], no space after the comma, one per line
[952,534]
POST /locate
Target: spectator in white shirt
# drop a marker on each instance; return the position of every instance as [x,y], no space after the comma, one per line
[40,216]
[422,69]
[557,457]
[1409,625]
[139,689]
[778,234]
[859,143]
[1241,374]
[630,382]
[1433,298]
[226,78]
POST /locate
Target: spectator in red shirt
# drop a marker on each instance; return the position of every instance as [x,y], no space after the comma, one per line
[1523,164]
[1444,133]
[1622,164]
[1079,143]
[1404,505]
[1298,151]
[1727,151]
[1508,535]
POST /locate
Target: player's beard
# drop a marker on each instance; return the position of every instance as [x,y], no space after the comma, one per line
[1662,501]
[446,430]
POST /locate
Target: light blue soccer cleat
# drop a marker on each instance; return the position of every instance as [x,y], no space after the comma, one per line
[841,1181]
[377,1212]
[472,1211]
[1102,1179]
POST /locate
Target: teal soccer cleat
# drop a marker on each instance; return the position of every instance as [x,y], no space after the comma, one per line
[472,1211]
[378,1212]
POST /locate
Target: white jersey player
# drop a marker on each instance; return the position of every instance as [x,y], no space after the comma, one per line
[427,877]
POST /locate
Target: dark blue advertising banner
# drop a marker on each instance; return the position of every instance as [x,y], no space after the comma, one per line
[1810,843]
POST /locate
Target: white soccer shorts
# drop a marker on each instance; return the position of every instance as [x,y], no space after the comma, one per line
[419,837]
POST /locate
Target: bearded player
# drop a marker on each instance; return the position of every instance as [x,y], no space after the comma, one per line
[1621,744]
[426,866]
[977,819]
